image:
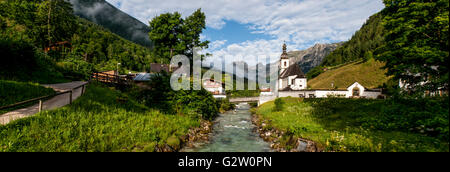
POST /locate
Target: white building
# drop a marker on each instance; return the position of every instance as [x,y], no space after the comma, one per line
[291,77]
[356,90]
[292,82]
[215,87]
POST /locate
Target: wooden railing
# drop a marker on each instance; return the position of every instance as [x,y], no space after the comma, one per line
[41,99]
[108,78]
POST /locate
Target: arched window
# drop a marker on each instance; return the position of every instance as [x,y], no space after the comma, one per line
[285,64]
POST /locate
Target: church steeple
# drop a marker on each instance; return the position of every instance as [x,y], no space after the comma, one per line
[284,61]
[284,55]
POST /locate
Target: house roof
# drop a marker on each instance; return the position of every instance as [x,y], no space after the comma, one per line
[207,83]
[293,70]
[143,77]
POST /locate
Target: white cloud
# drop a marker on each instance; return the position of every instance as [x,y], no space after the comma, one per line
[248,51]
[217,44]
[300,23]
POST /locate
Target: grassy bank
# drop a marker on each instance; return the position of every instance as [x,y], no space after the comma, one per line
[363,125]
[13,92]
[370,74]
[102,120]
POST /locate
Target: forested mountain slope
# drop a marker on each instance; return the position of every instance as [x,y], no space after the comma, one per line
[108,16]
[361,46]
[35,50]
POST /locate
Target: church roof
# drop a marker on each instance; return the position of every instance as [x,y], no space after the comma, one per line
[292,71]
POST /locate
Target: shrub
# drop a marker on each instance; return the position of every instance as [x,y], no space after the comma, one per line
[253,104]
[428,116]
[198,103]
[21,61]
[160,96]
[76,69]
[174,142]
[225,105]
[278,104]
[17,57]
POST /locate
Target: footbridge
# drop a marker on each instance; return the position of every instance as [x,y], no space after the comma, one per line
[245,100]
[260,100]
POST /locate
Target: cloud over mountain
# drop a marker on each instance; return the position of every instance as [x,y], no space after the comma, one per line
[300,23]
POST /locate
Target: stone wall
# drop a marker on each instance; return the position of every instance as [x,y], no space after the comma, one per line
[371,94]
[327,93]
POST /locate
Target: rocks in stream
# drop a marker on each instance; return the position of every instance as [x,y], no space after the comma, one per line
[306,146]
[274,137]
[194,135]
[202,133]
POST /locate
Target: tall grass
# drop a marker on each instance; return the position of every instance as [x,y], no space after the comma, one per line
[101,120]
[350,125]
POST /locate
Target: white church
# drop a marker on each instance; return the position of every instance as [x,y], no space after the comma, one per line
[290,77]
[292,82]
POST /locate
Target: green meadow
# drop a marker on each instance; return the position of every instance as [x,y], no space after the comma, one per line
[369,73]
[357,125]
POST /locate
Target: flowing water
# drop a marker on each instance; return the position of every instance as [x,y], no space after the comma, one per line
[233,132]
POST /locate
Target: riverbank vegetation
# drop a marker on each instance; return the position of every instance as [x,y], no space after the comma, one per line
[184,102]
[359,125]
[113,121]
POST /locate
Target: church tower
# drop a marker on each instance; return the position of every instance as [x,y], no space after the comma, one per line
[284,61]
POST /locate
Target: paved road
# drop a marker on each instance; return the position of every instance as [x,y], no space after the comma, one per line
[53,103]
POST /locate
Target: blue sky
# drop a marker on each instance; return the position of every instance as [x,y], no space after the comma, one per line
[259,27]
[234,33]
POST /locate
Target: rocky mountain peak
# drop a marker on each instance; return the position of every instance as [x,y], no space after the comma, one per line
[313,56]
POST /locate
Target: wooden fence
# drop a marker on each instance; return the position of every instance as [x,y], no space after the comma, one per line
[41,99]
[110,79]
